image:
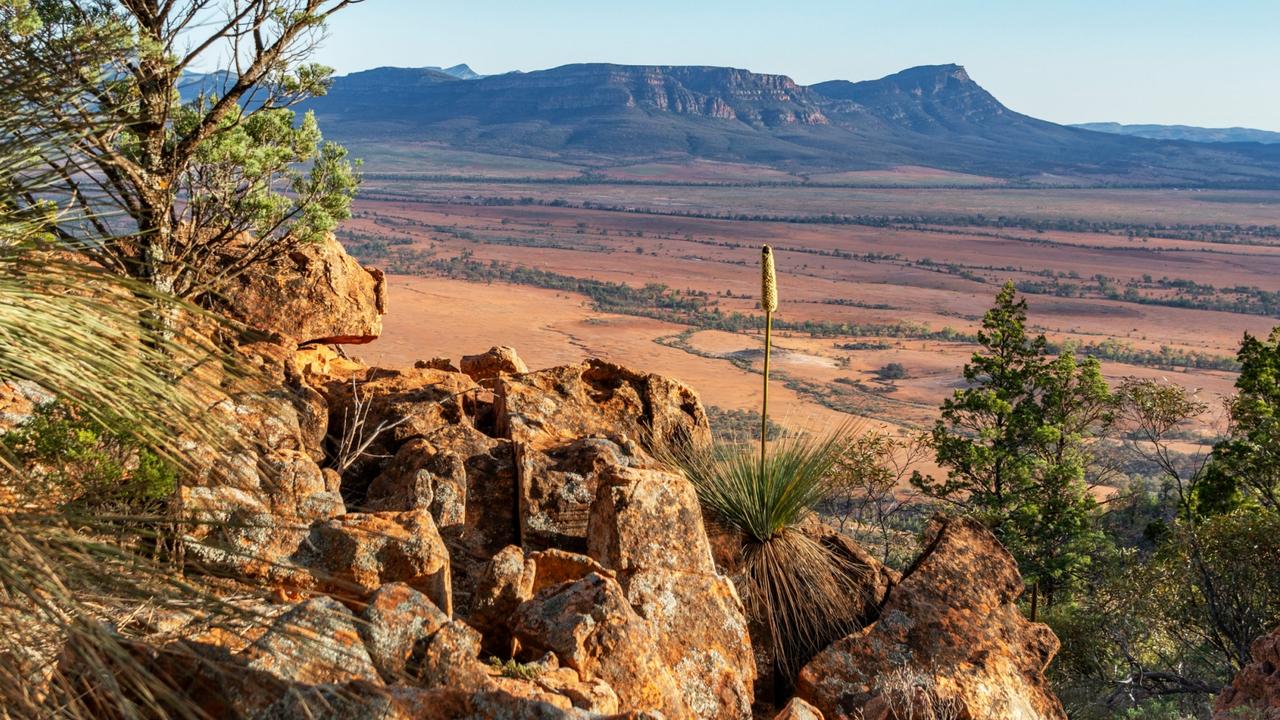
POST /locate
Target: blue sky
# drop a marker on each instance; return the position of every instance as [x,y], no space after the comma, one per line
[1195,62]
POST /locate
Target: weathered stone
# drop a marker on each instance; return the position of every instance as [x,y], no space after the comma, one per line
[497,361]
[593,696]
[450,658]
[424,476]
[591,627]
[548,408]
[1255,691]
[357,553]
[383,409]
[555,567]
[505,582]
[396,618]
[648,519]
[954,618]
[18,400]
[798,709]
[315,294]
[314,642]
[557,488]
[647,525]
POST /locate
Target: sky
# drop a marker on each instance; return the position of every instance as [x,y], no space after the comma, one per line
[1213,63]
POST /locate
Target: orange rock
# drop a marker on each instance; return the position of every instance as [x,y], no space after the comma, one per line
[315,294]
[497,361]
[355,554]
[591,627]
[1255,691]
[647,526]
[954,619]
[547,408]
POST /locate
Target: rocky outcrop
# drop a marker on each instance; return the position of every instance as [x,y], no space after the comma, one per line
[591,627]
[395,620]
[646,525]
[314,643]
[355,554]
[314,294]
[503,543]
[548,408]
[954,620]
[499,360]
[1255,691]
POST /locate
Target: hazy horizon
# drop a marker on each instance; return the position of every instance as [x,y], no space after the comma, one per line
[1146,62]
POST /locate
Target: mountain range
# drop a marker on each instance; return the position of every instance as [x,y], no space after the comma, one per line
[602,114]
[1186,132]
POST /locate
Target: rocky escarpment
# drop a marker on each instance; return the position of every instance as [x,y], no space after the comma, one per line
[494,515]
[493,541]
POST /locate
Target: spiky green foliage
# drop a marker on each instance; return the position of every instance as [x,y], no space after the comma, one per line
[796,587]
[77,563]
[762,502]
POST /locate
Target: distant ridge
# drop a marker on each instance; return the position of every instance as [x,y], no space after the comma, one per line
[461,71]
[599,114]
[1185,132]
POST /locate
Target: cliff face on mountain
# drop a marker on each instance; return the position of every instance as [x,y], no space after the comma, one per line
[933,116]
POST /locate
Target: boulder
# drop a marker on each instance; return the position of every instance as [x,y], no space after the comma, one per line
[314,294]
[499,360]
[798,709]
[355,554]
[314,642]
[953,620]
[648,519]
[592,628]
[450,658]
[1255,691]
[423,476]
[557,487]
[647,526]
[555,567]
[504,583]
[396,618]
[548,408]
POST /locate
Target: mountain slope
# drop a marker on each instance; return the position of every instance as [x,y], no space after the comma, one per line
[602,114]
[1185,132]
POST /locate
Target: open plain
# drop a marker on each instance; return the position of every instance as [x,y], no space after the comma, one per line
[661,274]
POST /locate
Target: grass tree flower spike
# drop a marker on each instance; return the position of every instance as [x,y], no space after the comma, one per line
[769,303]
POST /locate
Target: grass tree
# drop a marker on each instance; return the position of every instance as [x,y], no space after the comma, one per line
[796,587]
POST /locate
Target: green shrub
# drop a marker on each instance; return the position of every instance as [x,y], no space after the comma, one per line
[892,371]
[82,462]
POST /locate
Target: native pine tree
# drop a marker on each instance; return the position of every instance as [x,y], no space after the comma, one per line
[187,164]
[1015,446]
[1245,467]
